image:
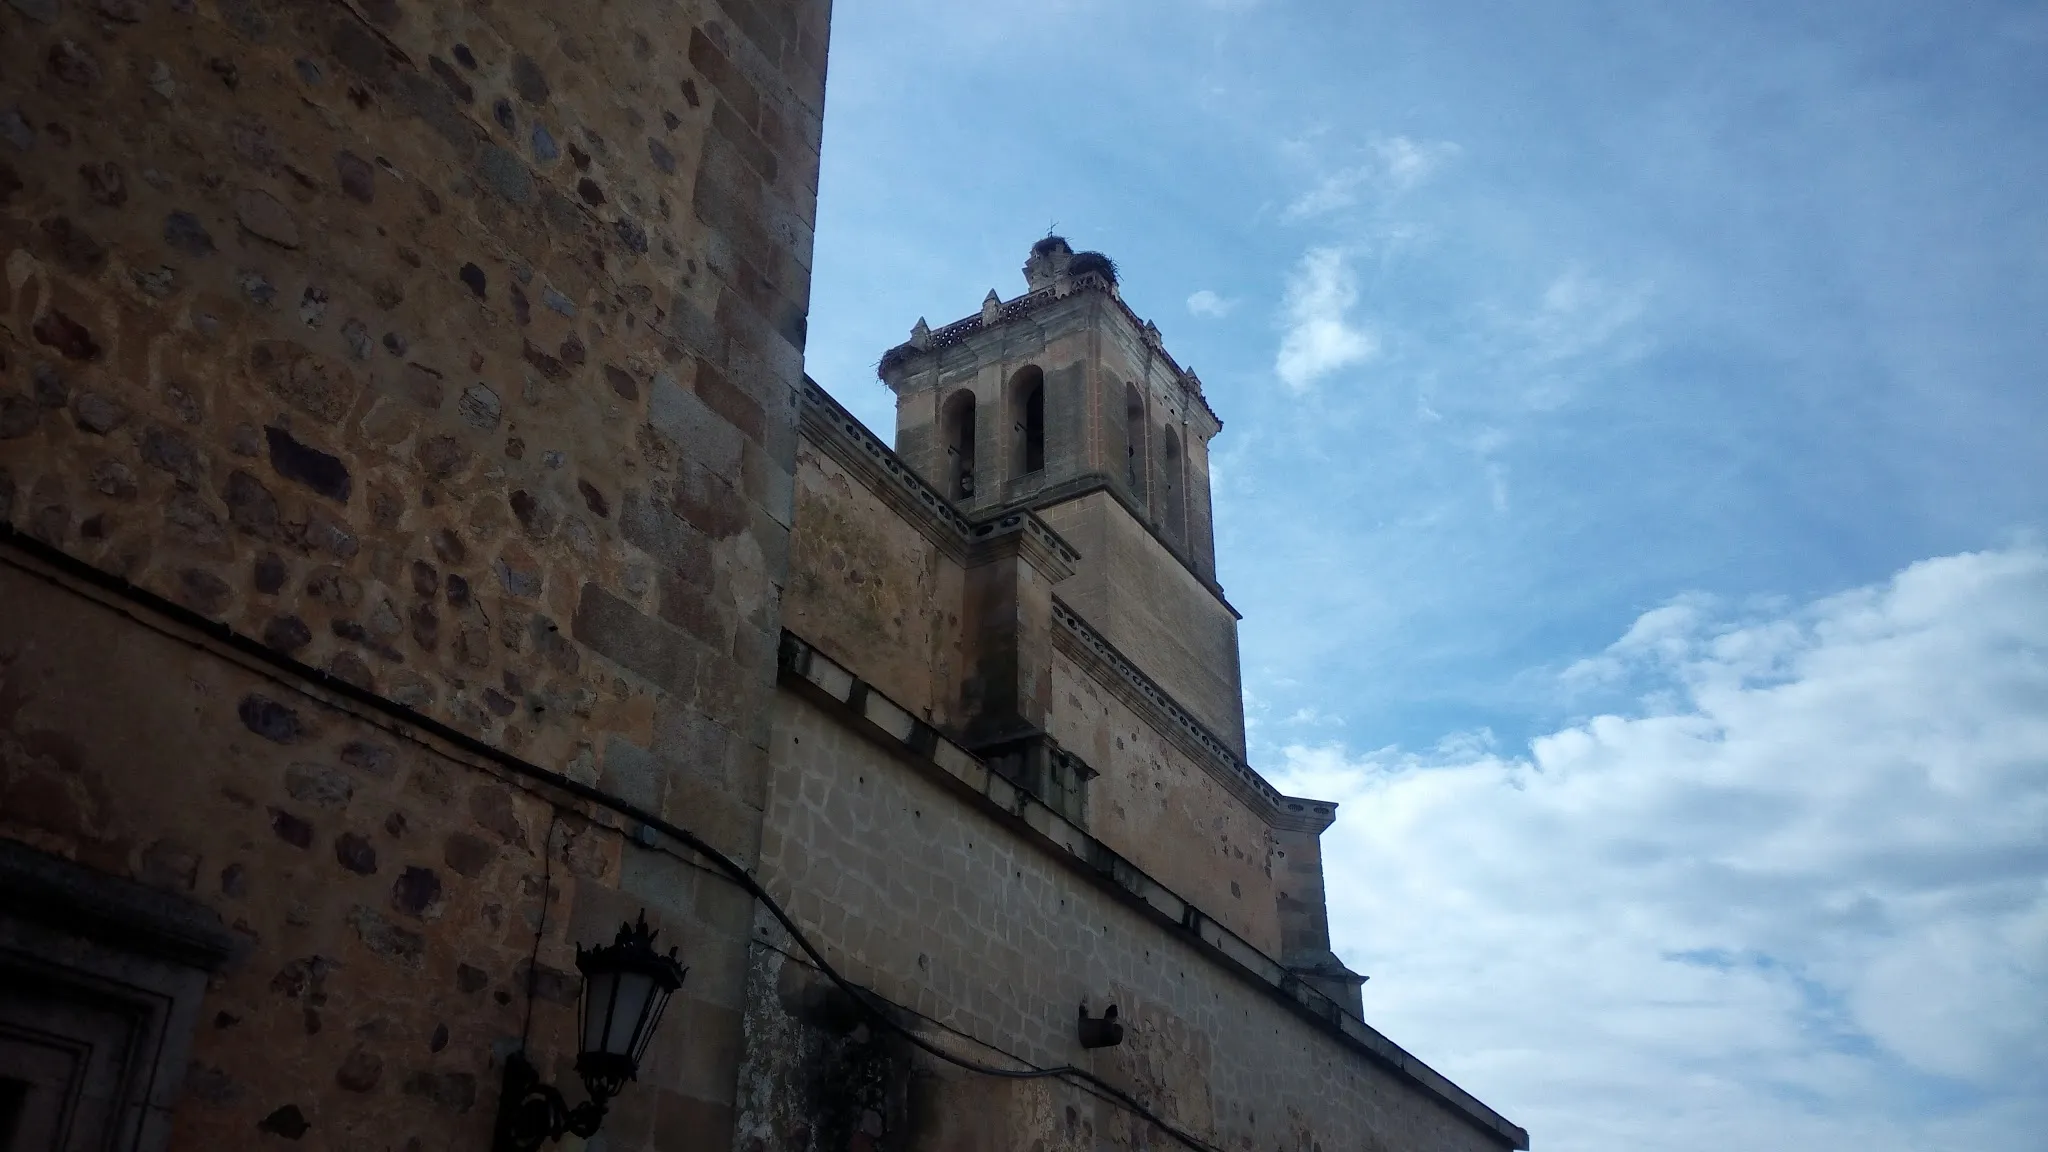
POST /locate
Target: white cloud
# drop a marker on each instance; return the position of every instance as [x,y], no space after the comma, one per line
[1319,339]
[1207,303]
[1336,190]
[1578,314]
[1398,165]
[1796,897]
[1408,163]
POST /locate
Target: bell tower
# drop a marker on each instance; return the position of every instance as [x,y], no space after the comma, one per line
[1062,400]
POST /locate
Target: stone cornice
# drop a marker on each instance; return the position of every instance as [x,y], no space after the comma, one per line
[1023,534]
[1115,671]
[967,327]
[804,670]
[1300,814]
[843,437]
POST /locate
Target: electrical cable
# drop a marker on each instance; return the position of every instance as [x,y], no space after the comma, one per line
[249,647]
[547,868]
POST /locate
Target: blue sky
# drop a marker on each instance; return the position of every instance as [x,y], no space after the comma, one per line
[1606,387]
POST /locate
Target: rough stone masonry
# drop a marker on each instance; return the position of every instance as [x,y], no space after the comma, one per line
[451,350]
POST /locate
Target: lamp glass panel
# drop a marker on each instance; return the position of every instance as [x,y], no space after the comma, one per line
[634,990]
[597,1008]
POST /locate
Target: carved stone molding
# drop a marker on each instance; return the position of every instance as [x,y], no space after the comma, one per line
[995,315]
[101,982]
[1111,668]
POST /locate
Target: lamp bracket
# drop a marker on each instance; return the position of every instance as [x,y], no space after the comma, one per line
[531,1113]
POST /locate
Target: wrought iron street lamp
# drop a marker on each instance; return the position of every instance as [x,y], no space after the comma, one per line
[626,986]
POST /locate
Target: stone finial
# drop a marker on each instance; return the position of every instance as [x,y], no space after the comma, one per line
[1152,335]
[921,334]
[1047,263]
[991,307]
[1194,381]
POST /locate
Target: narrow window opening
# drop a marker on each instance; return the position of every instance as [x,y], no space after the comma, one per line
[1170,481]
[958,421]
[1034,429]
[1134,439]
[1027,401]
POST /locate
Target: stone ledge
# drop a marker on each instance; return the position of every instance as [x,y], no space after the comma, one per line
[113,910]
[808,672]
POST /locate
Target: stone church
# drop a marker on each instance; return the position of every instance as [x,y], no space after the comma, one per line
[426,569]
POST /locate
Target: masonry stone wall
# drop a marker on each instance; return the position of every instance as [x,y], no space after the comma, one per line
[1165,813]
[949,914]
[405,340]
[873,592]
[387,888]
[1152,608]
[453,350]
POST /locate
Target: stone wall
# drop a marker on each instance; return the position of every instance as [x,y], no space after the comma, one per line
[872,591]
[404,341]
[950,915]
[1059,341]
[453,350]
[1152,608]
[387,888]
[1167,814]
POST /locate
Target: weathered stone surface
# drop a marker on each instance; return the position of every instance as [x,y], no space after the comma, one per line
[453,1091]
[386,939]
[417,893]
[491,808]
[617,631]
[97,414]
[71,246]
[287,634]
[252,509]
[355,853]
[291,829]
[269,719]
[467,855]
[266,218]
[225,212]
[68,337]
[318,785]
[203,592]
[505,174]
[360,1071]
[183,233]
[480,407]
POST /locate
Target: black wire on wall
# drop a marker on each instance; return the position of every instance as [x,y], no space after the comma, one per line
[83,572]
